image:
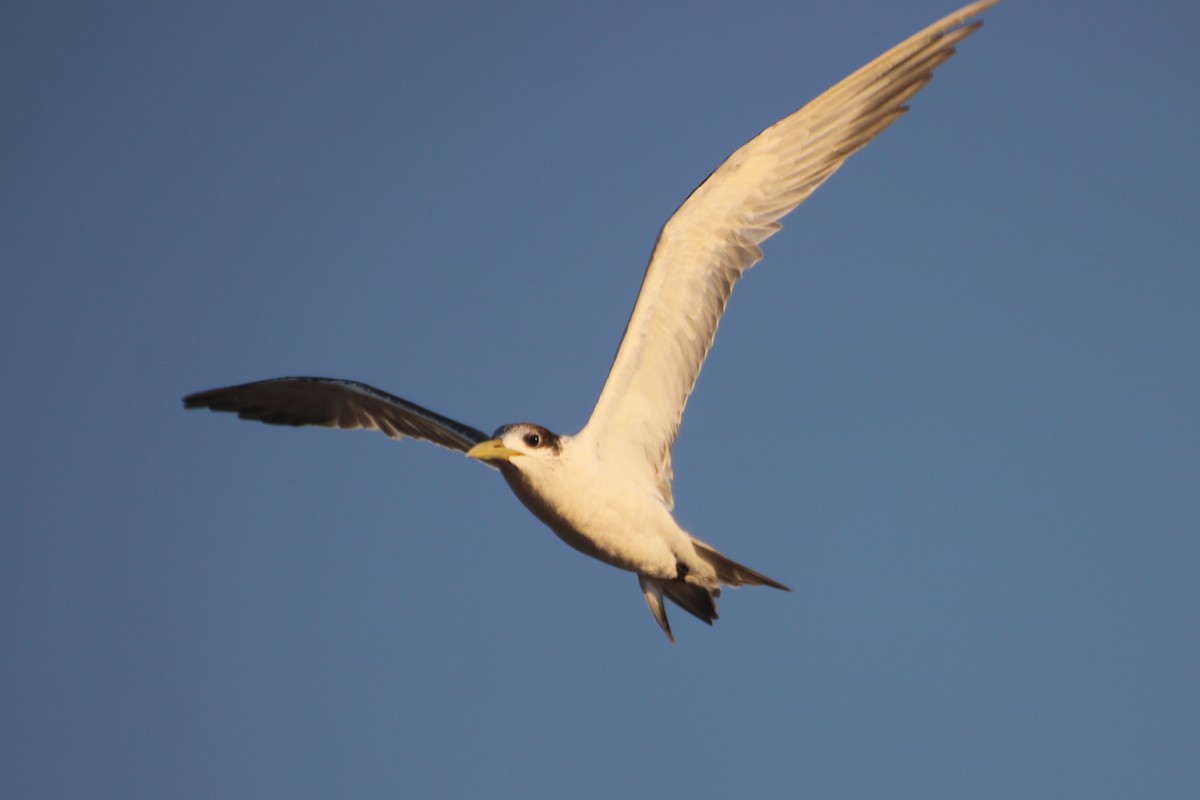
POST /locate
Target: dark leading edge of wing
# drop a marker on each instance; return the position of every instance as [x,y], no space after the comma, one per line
[334,403]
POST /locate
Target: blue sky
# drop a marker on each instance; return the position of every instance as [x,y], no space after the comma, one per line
[955,408]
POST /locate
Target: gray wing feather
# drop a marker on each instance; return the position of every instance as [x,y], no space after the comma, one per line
[336,403]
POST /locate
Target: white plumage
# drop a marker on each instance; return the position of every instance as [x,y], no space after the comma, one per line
[606,491]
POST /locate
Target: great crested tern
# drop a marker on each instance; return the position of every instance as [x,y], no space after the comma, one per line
[606,491]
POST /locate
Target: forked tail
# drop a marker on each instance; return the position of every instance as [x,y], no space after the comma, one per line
[697,600]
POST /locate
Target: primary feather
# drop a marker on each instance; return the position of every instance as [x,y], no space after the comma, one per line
[336,403]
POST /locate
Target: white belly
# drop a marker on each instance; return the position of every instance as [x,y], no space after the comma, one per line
[615,522]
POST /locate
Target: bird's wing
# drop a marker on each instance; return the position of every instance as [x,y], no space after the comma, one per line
[334,403]
[715,235]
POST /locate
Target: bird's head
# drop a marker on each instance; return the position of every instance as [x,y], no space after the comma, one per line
[513,444]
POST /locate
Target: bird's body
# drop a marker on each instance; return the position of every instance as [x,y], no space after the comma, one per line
[602,513]
[606,491]
[608,513]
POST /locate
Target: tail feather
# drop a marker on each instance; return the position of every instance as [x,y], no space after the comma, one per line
[731,573]
[699,601]
[652,591]
[696,600]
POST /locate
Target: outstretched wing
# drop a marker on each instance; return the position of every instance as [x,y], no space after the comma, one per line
[335,403]
[715,235]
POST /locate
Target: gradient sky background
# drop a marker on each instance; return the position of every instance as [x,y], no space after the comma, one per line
[955,408]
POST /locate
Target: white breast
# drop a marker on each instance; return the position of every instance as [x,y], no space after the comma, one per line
[601,512]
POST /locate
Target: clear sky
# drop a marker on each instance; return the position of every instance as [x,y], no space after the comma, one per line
[955,408]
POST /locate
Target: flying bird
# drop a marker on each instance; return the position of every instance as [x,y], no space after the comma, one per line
[606,490]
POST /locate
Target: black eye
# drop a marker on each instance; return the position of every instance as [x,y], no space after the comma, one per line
[532,439]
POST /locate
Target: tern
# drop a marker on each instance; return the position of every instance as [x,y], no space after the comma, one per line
[606,490]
